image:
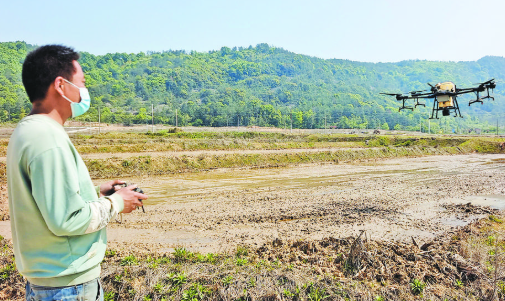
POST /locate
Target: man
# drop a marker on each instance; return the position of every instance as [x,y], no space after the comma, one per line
[58,217]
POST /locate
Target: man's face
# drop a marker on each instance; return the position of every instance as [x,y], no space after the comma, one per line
[78,79]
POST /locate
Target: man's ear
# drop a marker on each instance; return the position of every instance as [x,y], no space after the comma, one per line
[59,85]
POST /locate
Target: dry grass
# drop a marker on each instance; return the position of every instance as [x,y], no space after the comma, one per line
[159,165]
[462,265]
[458,266]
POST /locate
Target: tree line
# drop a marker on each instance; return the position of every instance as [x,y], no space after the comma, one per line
[259,86]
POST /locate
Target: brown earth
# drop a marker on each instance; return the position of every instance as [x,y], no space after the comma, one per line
[4,204]
[393,200]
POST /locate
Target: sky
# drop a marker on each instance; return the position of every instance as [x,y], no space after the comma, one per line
[358,30]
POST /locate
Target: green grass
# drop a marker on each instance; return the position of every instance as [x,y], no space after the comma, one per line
[495,219]
[417,286]
[129,260]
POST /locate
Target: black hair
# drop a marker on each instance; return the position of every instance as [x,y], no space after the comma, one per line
[43,65]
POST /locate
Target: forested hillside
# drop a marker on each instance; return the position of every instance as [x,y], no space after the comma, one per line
[262,86]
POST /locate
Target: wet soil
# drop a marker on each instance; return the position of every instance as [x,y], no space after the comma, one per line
[393,200]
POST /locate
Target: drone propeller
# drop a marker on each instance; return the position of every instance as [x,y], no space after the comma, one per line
[487,82]
[391,94]
[433,89]
[420,93]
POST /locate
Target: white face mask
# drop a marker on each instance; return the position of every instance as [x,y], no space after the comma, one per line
[79,108]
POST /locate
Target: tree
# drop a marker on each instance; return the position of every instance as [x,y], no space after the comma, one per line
[297,119]
[141,117]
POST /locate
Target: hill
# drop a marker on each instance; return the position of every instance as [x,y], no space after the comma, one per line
[262,85]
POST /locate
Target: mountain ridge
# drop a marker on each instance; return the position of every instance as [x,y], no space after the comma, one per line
[262,86]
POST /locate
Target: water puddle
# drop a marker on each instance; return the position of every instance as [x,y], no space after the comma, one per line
[226,188]
[496,161]
[197,186]
[455,221]
[495,201]
[437,213]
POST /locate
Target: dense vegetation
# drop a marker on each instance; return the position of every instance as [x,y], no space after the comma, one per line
[262,86]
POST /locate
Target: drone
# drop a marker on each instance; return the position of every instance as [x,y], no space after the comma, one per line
[445,97]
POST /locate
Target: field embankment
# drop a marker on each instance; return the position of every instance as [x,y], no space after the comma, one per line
[284,149]
[119,154]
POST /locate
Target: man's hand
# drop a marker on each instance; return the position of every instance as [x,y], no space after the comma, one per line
[131,198]
[110,187]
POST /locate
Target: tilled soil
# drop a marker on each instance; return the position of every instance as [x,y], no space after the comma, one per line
[392,200]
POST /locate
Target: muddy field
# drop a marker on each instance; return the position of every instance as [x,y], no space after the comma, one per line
[391,199]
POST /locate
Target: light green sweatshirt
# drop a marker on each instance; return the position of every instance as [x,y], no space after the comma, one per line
[52,203]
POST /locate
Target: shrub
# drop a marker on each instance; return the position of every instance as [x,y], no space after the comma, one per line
[417,286]
[178,279]
[241,261]
[129,260]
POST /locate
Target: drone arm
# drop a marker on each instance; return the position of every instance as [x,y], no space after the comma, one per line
[465,91]
[424,96]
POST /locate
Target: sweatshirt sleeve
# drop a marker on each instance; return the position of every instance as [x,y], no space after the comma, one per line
[103,210]
[55,188]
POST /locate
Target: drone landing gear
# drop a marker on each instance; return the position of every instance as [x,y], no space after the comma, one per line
[419,104]
[405,107]
[478,99]
[488,96]
[446,111]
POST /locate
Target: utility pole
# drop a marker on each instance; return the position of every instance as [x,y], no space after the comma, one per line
[429,124]
[98,120]
[238,122]
[176,121]
[291,115]
[152,116]
[325,123]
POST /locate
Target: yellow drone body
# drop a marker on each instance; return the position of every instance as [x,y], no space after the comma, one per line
[445,101]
